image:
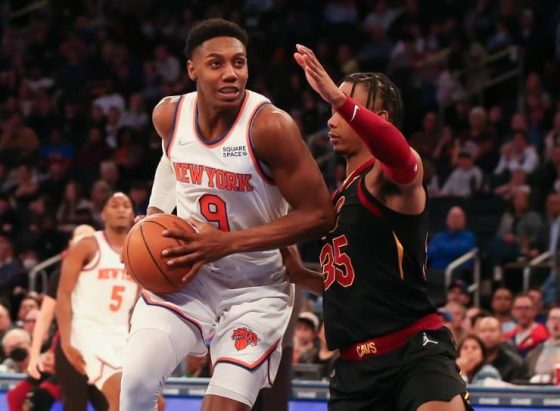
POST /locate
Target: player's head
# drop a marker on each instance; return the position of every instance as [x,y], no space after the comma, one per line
[217,61]
[117,212]
[377,93]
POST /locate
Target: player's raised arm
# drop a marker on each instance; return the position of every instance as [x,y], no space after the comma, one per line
[399,162]
[78,256]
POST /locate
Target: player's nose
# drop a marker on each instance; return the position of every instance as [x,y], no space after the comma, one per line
[229,73]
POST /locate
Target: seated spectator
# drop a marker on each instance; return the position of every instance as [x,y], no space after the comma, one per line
[325,357]
[305,338]
[472,361]
[457,312]
[552,138]
[72,200]
[517,182]
[502,302]
[29,303]
[517,231]
[17,140]
[11,269]
[458,292]
[546,178]
[450,244]
[16,344]
[501,355]
[10,218]
[517,153]
[465,179]
[536,295]
[542,359]
[527,334]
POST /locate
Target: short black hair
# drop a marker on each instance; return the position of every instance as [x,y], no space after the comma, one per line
[211,28]
[379,86]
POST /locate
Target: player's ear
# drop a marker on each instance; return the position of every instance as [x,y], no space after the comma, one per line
[191,70]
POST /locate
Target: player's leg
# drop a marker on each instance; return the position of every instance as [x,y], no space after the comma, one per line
[158,341]
[246,352]
[111,389]
[430,379]
[456,404]
[96,398]
[73,385]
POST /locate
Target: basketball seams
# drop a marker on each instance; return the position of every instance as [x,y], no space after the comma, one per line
[165,228]
[152,256]
[137,279]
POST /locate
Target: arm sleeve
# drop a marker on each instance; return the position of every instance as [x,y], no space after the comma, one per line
[384,141]
[163,188]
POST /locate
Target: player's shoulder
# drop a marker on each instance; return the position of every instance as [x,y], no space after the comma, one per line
[164,113]
[84,245]
[273,121]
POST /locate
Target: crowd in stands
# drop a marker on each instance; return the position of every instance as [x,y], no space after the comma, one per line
[78,81]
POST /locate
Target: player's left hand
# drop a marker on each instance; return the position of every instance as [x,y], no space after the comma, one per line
[317,76]
[205,245]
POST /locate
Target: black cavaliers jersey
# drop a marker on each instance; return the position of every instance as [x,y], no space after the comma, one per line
[374,263]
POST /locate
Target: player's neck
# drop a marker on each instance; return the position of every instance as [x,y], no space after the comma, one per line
[353,162]
[213,122]
[115,238]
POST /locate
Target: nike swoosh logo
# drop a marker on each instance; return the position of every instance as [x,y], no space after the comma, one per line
[183,143]
[356,108]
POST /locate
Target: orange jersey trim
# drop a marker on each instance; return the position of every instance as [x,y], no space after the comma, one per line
[253,365]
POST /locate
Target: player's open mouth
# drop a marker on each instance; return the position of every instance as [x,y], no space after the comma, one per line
[334,137]
[229,92]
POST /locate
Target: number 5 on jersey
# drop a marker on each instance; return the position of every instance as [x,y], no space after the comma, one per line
[336,264]
[214,210]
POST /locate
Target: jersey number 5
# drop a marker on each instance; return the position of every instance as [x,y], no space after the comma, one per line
[336,264]
[214,209]
[117,297]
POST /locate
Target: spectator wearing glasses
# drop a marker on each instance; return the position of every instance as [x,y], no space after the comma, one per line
[527,334]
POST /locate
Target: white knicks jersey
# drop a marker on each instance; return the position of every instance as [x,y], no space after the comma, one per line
[224,184]
[104,294]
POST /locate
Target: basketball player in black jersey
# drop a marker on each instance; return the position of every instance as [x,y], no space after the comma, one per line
[395,352]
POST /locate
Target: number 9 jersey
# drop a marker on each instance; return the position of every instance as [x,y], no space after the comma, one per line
[223,183]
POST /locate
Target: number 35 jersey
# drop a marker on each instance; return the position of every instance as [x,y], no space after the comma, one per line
[104,294]
[223,183]
[374,267]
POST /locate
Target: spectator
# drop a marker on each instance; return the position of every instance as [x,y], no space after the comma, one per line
[517,231]
[472,361]
[479,139]
[11,269]
[466,178]
[16,344]
[458,292]
[325,357]
[30,320]
[17,141]
[536,296]
[501,355]
[72,200]
[517,182]
[28,303]
[10,220]
[305,338]
[552,139]
[502,303]
[527,334]
[457,312]
[167,66]
[425,141]
[136,116]
[543,358]
[451,243]
[517,154]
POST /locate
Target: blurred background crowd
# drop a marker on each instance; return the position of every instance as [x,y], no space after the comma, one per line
[79,79]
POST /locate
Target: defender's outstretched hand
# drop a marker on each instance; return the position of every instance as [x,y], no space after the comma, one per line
[317,77]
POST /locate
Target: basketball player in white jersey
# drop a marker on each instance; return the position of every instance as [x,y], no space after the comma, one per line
[238,163]
[95,298]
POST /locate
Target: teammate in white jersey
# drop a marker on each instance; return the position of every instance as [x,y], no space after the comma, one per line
[238,163]
[95,297]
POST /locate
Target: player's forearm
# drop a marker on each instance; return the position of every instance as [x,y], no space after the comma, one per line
[44,321]
[64,317]
[298,225]
[311,281]
[383,139]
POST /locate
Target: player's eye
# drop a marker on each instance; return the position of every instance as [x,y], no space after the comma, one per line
[215,64]
[239,63]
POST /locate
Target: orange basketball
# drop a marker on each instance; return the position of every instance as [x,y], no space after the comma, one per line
[142,256]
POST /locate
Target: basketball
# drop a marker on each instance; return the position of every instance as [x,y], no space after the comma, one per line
[142,253]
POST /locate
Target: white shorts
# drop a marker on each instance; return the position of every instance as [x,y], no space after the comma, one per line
[103,352]
[243,327]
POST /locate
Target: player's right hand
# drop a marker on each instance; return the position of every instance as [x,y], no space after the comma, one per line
[35,367]
[75,358]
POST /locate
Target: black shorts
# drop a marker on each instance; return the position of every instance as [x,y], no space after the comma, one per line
[423,370]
